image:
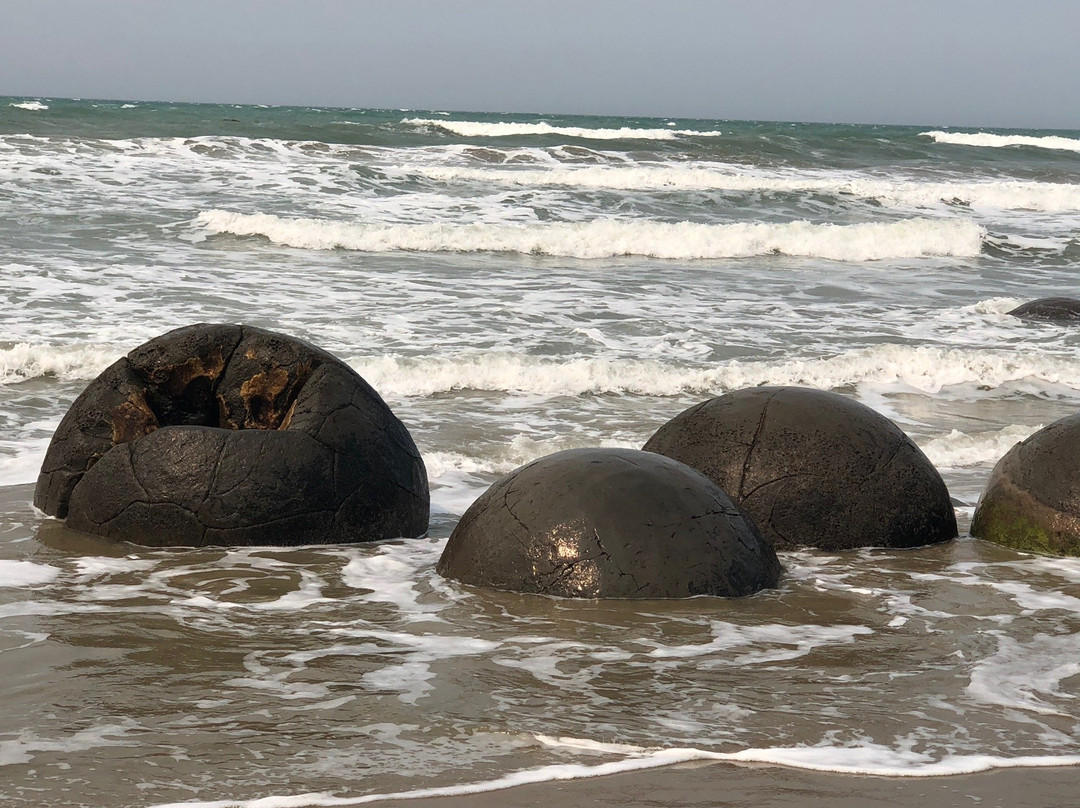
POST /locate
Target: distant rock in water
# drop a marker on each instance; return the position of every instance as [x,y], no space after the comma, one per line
[1032,499]
[813,469]
[1052,309]
[232,435]
[609,523]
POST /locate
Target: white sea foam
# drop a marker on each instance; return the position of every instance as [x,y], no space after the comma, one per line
[1027,675]
[509,129]
[958,449]
[23,466]
[997,194]
[25,574]
[605,238]
[994,306]
[998,141]
[32,106]
[924,368]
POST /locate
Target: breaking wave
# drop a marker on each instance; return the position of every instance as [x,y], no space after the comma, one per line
[958,449]
[33,106]
[997,194]
[506,129]
[998,141]
[927,369]
[924,368]
[606,238]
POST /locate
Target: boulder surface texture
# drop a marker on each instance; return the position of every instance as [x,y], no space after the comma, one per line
[813,469]
[1032,500]
[609,523]
[1051,309]
[232,435]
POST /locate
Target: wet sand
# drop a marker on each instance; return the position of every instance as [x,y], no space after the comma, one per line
[719,785]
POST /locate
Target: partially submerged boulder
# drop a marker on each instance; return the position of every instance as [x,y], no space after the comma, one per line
[233,435]
[1032,499]
[1050,309]
[608,523]
[813,468]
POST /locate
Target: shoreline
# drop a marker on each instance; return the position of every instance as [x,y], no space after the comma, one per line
[710,784]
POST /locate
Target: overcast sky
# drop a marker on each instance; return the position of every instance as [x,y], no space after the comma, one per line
[957,62]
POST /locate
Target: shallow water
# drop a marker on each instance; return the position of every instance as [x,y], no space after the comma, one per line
[501,288]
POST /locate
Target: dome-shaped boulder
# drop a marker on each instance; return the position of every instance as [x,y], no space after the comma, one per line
[608,523]
[813,468]
[1032,499]
[232,435]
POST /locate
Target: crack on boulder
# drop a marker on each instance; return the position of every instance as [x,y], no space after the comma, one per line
[753,443]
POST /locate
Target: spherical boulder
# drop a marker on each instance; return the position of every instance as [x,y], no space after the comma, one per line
[1032,499]
[608,523]
[233,435]
[813,468]
[1050,309]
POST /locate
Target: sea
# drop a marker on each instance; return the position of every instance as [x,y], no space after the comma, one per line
[514,285]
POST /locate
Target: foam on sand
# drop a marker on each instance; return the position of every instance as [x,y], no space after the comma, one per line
[868,759]
[998,141]
[608,238]
[25,574]
[508,129]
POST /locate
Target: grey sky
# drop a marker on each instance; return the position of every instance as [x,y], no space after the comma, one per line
[958,62]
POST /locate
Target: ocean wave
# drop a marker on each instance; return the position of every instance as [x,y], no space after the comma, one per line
[506,457]
[25,360]
[998,141]
[607,238]
[997,194]
[958,449]
[926,369]
[33,106]
[482,129]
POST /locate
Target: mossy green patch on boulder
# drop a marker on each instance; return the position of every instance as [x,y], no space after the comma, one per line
[1032,500]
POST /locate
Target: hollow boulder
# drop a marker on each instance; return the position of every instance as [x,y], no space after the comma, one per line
[608,523]
[233,435]
[1032,499]
[1050,309]
[813,468]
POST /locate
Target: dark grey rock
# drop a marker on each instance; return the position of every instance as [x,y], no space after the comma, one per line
[608,523]
[1051,309]
[813,469]
[1032,499]
[232,435]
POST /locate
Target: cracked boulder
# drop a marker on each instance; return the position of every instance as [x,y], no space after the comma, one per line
[813,469]
[608,523]
[1032,499]
[232,435]
[1049,309]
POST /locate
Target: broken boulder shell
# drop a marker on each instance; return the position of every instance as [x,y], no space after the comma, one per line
[608,523]
[813,468]
[1032,499]
[233,435]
